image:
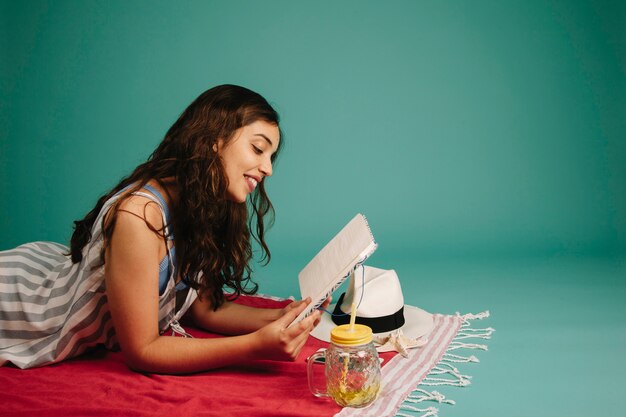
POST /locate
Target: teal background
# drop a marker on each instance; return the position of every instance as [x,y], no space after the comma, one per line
[484,140]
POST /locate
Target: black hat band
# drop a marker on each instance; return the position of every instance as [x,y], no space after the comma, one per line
[377,324]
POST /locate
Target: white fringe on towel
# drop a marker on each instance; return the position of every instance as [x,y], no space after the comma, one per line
[428,412]
[446,367]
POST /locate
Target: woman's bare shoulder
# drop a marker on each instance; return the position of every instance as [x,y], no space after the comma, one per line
[141,208]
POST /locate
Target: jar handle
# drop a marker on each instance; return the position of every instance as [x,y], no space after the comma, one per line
[309,371]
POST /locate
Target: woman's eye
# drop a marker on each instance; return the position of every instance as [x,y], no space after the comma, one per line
[257,150]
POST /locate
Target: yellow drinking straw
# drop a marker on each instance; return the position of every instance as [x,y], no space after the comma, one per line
[352,317]
[345,365]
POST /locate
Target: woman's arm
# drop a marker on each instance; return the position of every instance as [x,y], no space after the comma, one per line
[236,319]
[131,273]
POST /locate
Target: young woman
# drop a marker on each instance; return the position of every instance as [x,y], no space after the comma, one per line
[168,239]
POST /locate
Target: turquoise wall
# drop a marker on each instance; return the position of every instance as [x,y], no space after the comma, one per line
[460,129]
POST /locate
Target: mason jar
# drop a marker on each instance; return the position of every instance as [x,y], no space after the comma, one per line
[352,367]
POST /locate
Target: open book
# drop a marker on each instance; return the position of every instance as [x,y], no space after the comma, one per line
[335,262]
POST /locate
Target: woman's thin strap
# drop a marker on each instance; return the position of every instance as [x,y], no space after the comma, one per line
[161,199]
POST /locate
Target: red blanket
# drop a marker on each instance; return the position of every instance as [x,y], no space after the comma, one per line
[100,384]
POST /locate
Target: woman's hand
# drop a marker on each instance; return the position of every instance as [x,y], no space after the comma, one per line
[278,341]
[297,304]
[323,308]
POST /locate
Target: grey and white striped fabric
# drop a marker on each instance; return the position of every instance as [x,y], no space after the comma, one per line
[52,309]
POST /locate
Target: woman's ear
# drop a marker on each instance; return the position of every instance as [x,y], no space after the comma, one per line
[217,146]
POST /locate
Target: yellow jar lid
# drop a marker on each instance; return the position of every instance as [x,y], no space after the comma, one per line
[343,335]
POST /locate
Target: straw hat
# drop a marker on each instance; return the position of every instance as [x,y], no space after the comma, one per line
[380,306]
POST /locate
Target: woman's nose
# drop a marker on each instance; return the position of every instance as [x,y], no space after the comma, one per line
[266,168]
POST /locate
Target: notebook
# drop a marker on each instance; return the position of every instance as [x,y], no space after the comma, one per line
[335,262]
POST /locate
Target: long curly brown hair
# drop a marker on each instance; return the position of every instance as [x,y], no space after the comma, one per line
[211,233]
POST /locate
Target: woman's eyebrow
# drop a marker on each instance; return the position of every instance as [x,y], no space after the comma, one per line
[264,137]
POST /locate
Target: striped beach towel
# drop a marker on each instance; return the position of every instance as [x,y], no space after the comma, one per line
[404,380]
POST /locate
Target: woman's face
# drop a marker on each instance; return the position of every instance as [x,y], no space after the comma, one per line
[247,158]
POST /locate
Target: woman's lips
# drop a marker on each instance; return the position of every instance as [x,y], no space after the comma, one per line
[252,182]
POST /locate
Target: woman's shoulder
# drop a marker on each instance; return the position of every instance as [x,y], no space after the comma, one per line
[143,205]
[138,222]
[147,206]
